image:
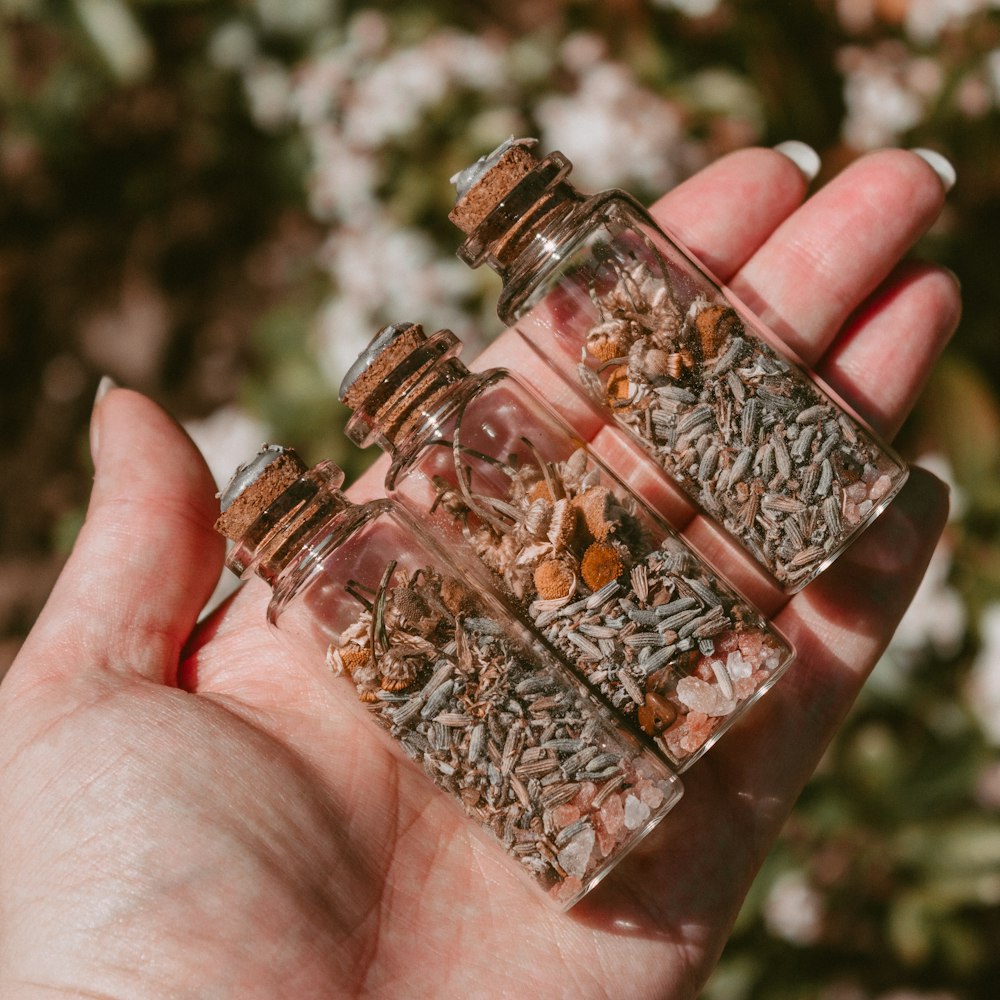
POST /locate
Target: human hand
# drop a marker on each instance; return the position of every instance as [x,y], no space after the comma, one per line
[188,813]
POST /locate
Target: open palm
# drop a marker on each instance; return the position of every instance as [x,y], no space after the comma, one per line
[189,813]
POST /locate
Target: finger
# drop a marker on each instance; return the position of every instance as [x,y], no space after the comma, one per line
[723,214]
[882,359]
[824,260]
[147,557]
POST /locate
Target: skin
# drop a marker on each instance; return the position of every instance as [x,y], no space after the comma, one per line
[190,813]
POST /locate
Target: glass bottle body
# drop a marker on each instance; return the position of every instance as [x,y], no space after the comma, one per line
[704,388]
[492,718]
[586,563]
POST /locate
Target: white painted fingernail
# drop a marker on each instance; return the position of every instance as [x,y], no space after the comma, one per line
[106,384]
[804,157]
[939,164]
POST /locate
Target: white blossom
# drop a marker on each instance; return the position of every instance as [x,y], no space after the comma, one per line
[936,618]
[992,63]
[793,909]
[386,273]
[295,17]
[692,8]
[983,687]
[344,327]
[614,129]
[927,19]
[343,178]
[226,439]
[268,91]
[233,46]
[881,103]
[319,88]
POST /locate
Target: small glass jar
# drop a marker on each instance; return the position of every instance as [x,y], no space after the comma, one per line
[492,717]
[489,467]
[626,312]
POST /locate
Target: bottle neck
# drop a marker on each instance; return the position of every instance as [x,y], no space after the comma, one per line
[521,231]
[403,399]
[282,536]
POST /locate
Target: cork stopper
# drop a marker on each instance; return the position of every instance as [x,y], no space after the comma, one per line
[489,180]
[388,348]
[255,486]
[399,382]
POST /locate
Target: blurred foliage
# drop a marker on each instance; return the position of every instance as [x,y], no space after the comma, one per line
[218,203]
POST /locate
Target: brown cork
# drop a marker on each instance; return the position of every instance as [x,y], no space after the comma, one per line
[276,477]
[396,401]
[386,361]
[477,203]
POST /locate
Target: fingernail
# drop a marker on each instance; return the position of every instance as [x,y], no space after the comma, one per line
[106,384]
[941,165]
[804,157]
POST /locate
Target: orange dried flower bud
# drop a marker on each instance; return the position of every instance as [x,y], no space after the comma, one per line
[353,657]
[601,564]
[619,388]
[604,348]
[397,682]
[553,579]
[715,325]
[595,506]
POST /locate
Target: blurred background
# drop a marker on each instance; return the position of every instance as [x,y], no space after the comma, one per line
[218,204]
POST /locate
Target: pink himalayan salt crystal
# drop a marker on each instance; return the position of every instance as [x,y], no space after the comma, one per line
[605,841]
[699,728]
[674,738]
[704,670]
[746,686]
[726,642]
[704,698]
[753,647]
[851,515]
[857,492]
[650,794]
[612,814]
[563,815]
[880,487]
[688,734]
[584,798]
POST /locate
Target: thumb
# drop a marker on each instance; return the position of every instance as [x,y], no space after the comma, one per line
[147,557]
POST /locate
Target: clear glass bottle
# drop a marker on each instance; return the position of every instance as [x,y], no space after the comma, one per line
[626,312]
[491,716]
[486,465]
